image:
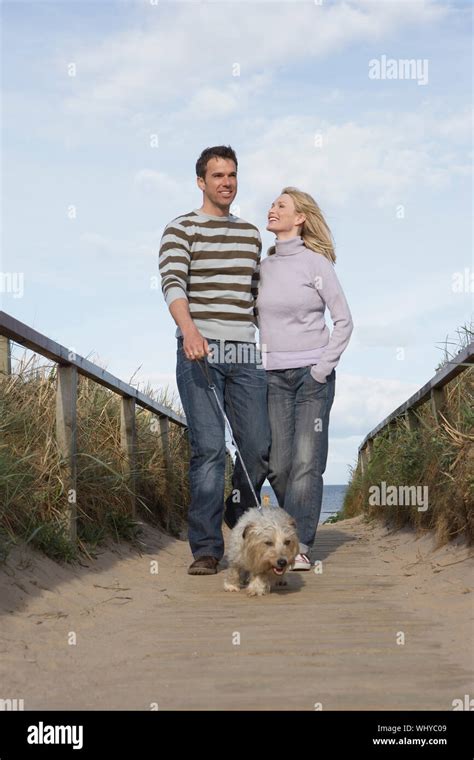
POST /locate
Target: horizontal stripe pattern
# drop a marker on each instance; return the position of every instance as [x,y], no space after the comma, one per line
[214,265]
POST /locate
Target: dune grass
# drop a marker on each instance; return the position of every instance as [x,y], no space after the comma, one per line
[32,494]
[440,457]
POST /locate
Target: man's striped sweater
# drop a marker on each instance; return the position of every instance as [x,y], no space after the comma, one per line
[214,263]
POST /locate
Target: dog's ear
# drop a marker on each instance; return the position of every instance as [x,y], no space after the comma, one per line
[247,530]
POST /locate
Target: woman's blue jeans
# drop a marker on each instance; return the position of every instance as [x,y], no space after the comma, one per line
[241,387]
[298,408]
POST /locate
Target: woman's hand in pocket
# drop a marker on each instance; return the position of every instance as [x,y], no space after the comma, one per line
[317,379]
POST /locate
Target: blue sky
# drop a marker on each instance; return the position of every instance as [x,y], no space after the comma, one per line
[392,175]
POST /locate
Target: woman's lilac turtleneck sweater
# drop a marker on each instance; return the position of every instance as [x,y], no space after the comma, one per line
[296,285]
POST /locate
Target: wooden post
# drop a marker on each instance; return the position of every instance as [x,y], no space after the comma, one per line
[392,429]
[165,448]
[165,440]
[5,356]
[412,420]
[438,403]
[181,486]
[128,434]
[370,449]
[365,455]
[66,435]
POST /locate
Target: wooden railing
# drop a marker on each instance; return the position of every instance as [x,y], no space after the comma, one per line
[69,366]
[433,391]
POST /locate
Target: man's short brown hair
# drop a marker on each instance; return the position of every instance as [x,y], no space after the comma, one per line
[218,151]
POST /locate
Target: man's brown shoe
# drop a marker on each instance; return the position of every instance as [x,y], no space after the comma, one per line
[203,566]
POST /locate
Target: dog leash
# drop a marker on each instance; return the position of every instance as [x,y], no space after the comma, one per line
[212,387]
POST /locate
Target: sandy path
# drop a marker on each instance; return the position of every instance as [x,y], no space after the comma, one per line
[169,638]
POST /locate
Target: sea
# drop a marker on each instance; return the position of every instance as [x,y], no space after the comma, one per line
[333,499]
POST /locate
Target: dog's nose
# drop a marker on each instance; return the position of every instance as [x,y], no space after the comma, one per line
[282,562]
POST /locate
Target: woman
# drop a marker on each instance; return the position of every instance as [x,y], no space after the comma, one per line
[297,282]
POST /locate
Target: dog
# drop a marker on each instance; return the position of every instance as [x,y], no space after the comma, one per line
[263,545]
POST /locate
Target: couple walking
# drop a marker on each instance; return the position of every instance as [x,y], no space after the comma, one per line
[277,399]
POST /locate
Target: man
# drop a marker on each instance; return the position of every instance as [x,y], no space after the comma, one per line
[209,265]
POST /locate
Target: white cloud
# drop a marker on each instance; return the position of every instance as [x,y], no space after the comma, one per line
[342,455]
[396,327]
[384,161]
[212,102]
[194,44]
[362,402]
[457,126]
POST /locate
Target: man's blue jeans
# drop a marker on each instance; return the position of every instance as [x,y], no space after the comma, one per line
[298,408]
[241,387]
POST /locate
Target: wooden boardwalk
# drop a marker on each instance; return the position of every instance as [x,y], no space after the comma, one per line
[331,641]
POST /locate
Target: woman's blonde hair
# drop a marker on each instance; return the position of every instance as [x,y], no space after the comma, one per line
[315,232]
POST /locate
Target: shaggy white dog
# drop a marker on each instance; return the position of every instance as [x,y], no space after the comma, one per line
[263,545]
